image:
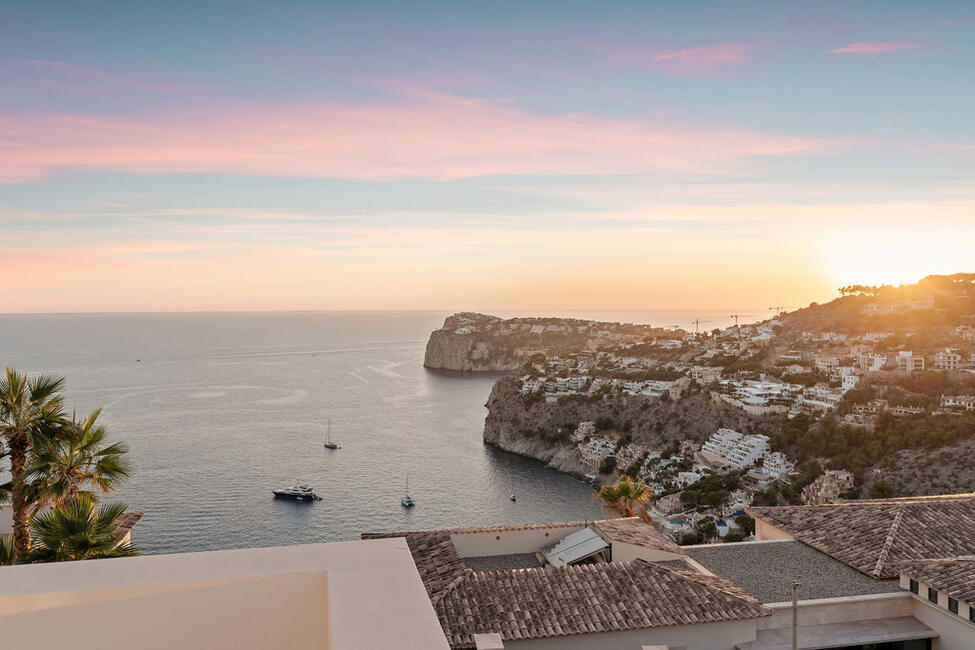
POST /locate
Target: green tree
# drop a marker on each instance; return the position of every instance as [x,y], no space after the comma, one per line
[880,490]
[746,523]
[76,461]
[77,530]
[626,497]
[31,409]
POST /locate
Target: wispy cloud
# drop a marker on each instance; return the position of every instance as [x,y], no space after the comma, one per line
[704,60]
[956,21]
[699,61]
[429,136]
[877,47]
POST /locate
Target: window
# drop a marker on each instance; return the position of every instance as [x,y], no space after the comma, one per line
[932,595]
[971,612]
[914,587]
[952,605]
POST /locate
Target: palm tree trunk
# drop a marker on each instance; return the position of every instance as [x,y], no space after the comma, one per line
[18,461]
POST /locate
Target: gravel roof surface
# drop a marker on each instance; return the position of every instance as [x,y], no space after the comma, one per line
[502,562]
[765,570]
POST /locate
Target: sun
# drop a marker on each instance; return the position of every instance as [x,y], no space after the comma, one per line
[884,260]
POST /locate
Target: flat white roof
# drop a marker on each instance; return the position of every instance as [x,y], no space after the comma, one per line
[360,594]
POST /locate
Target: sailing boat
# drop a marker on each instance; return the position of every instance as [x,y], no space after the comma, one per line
[328,437]
[407,501]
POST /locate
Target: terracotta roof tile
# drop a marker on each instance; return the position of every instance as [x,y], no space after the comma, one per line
[874,536]
[127,521]
[633,530]
[585,599]
[955,575]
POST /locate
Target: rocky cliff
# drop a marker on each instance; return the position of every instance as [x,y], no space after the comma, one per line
[474,342]
[447,350]
[541,430]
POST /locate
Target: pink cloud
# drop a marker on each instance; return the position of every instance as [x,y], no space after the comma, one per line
[701,61]
[704,60]
[421,136]
[876,47]
[956,21]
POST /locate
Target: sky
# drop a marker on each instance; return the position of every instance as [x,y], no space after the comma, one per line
[487,156]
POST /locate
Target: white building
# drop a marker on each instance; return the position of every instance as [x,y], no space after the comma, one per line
[817,399]
[776,465]
[958,402]
[871,362]
[907,362]
[729,447]
[583,431]
[827,365]
[947,359]
[596,450]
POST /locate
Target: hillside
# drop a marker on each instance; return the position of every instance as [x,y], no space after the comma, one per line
[858,384]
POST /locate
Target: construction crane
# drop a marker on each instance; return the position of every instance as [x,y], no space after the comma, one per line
[737,326]
[697,325]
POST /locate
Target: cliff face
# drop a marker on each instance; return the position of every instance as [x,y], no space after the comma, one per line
[541,430]
[479,342]
[447,350]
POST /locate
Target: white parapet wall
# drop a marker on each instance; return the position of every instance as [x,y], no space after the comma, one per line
[507,541]
[838,610]
[364,595]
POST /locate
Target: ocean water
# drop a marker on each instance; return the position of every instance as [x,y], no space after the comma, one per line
[220,408]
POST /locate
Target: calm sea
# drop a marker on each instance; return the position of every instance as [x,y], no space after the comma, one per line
[220,408]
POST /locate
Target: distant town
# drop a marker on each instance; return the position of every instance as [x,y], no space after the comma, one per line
[831,402]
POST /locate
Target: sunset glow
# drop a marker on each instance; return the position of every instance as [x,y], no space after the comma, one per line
[316,158]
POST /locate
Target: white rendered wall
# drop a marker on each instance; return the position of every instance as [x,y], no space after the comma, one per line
[363,595]
[506,542]
[838,610]
[705,636]
[289,611]
[625,552]
[955,632]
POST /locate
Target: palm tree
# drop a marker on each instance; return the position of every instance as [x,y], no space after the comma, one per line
[626,497]
[74,462]
[7,556]
[77,531]
[30,410]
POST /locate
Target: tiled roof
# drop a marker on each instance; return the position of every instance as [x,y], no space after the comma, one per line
[584,599]
[954,575]
[127,521]
[633,530]
[873,536]
[435,555]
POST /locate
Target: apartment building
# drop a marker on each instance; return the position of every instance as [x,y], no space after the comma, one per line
[728,447]
[908,362]
[947,359]
[958,402]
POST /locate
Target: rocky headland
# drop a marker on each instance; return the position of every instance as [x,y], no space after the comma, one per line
[472,342]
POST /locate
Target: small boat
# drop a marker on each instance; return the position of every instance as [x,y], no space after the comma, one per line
[407,501]
[328,437]
[297,493]
[513,497]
